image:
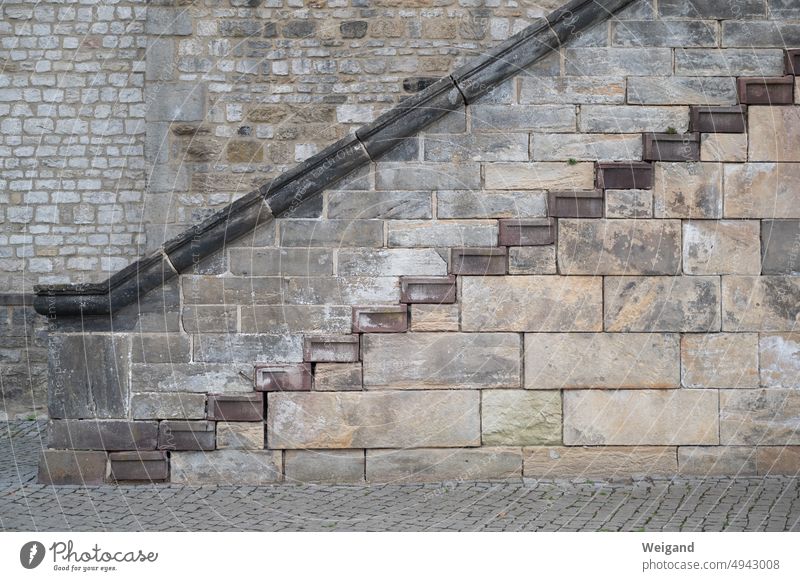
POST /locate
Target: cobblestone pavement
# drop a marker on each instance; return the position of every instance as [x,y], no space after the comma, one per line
[649,505]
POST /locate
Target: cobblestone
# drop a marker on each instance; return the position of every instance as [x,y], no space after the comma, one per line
[677,504]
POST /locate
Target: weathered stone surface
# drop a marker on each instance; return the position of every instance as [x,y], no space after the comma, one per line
[632,119]
[160,348]
[685,304]
[731,61]
[531,303]
[449,233]
[762,190]
[662,33]
[388,205]
[391,262]
[505,118]
[149,466]
[774,133]
[778,460]
[73,467]
[640,417]
[722,360]
[477,147]
[243,348]
[291,319]
[442,317]
[331,348]
[779,359]
[629,203]
[324,466]
[102,435]
[240,435]
[432,465]
[780,247]
[338,377]
[532,260]
[515,417]
[682,90]
[760,417]
[183,435]
[766,303]
[619,246]
[615,61]
[539,176]
[331,233]
[341,290]
[392,419]
[723,147]
[209,319]
[490,204]
[601,360]
[395,176]
[227,467]
[168,406]
[281,261]
[721,247]
[598,462]
[585,147]
[579,90]
[688,190]
[717,461]
[442,360]
[188,378]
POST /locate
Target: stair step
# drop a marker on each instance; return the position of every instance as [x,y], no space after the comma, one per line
[428,289]
[575,204]
[537,232]
[703,119]
[792,61]
[671,147]
[625,175]
[766,90]
[378,319]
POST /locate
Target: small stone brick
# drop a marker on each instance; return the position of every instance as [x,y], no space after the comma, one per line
[527,232]
[332,349]
[479,261]
[671,147]
[338,377]
[792,61]
[428,289]
[772,460]
[283,377]
[72,467]
[236,407]
[150,466]
[766,90]
[389,319]
[780,247]
[180,435]
[102,435]
[240,435]
[624,175]
[718,119]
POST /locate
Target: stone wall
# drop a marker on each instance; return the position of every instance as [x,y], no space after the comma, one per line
[592,271]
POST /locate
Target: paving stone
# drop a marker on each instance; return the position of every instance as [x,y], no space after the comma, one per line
[505,118]
[779,360]
[721,247]
[640,417]
[780,247]
[324,466]
[442,360]
[532,260]
[293,319]
[721,360]
[601,360]
[723,147]
[516,417]
[490,204]
[102,435]
[688,304]
[338,377]
[228,467]
[391,419]
[717,460]
[662,33]
[281,261]
[766,303]
[434,465]
[762,190]
[580,90]
[440,317]
[601,247]
[617,61]
[688,190]
[476,147]
[386,205]
[393,176]
[773,134]
[446,233]
[341,290]
[682,91]
[732,62]
[550,462]
[778,460]
[184,435]
[633,119]
[531,303]
[539,176]
[585,147]
[629,203]
[200,319]
[391,262]
[168,406]
[240,435]
[60,467]
[763,417]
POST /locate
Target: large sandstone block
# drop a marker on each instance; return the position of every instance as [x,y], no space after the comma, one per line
[392,419]
[293,319]
[427,176]
[102,435]
[543,175]
[446,233]
[515,417]
[778,460]
[632,119]
[721,247]
[759,417]
[617,61]
[505,118]
[391,262]
[240,435]
[491,204]
[231,290]
[629,203]
[762,190]
[717,461]
[663,33]
[331,233]
[227,467]
[619,246]
[532,260]
[760,303]
[640,417]
[324,466]
[72,467]
[386,205]
[723,147]
[281,261]
[601,360]
[774,133]
[241,348]
[477,147]
[434,317]
[189,377]
[780,240]
[432,465]
[598,462]
[168,406]
[688,190]
[779,359]
[581,90]
[341,290]
[733,62]
[586,147]
[721,360]
[531,303]
[651,304]
[338,377]
[676,90]
[442,360]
